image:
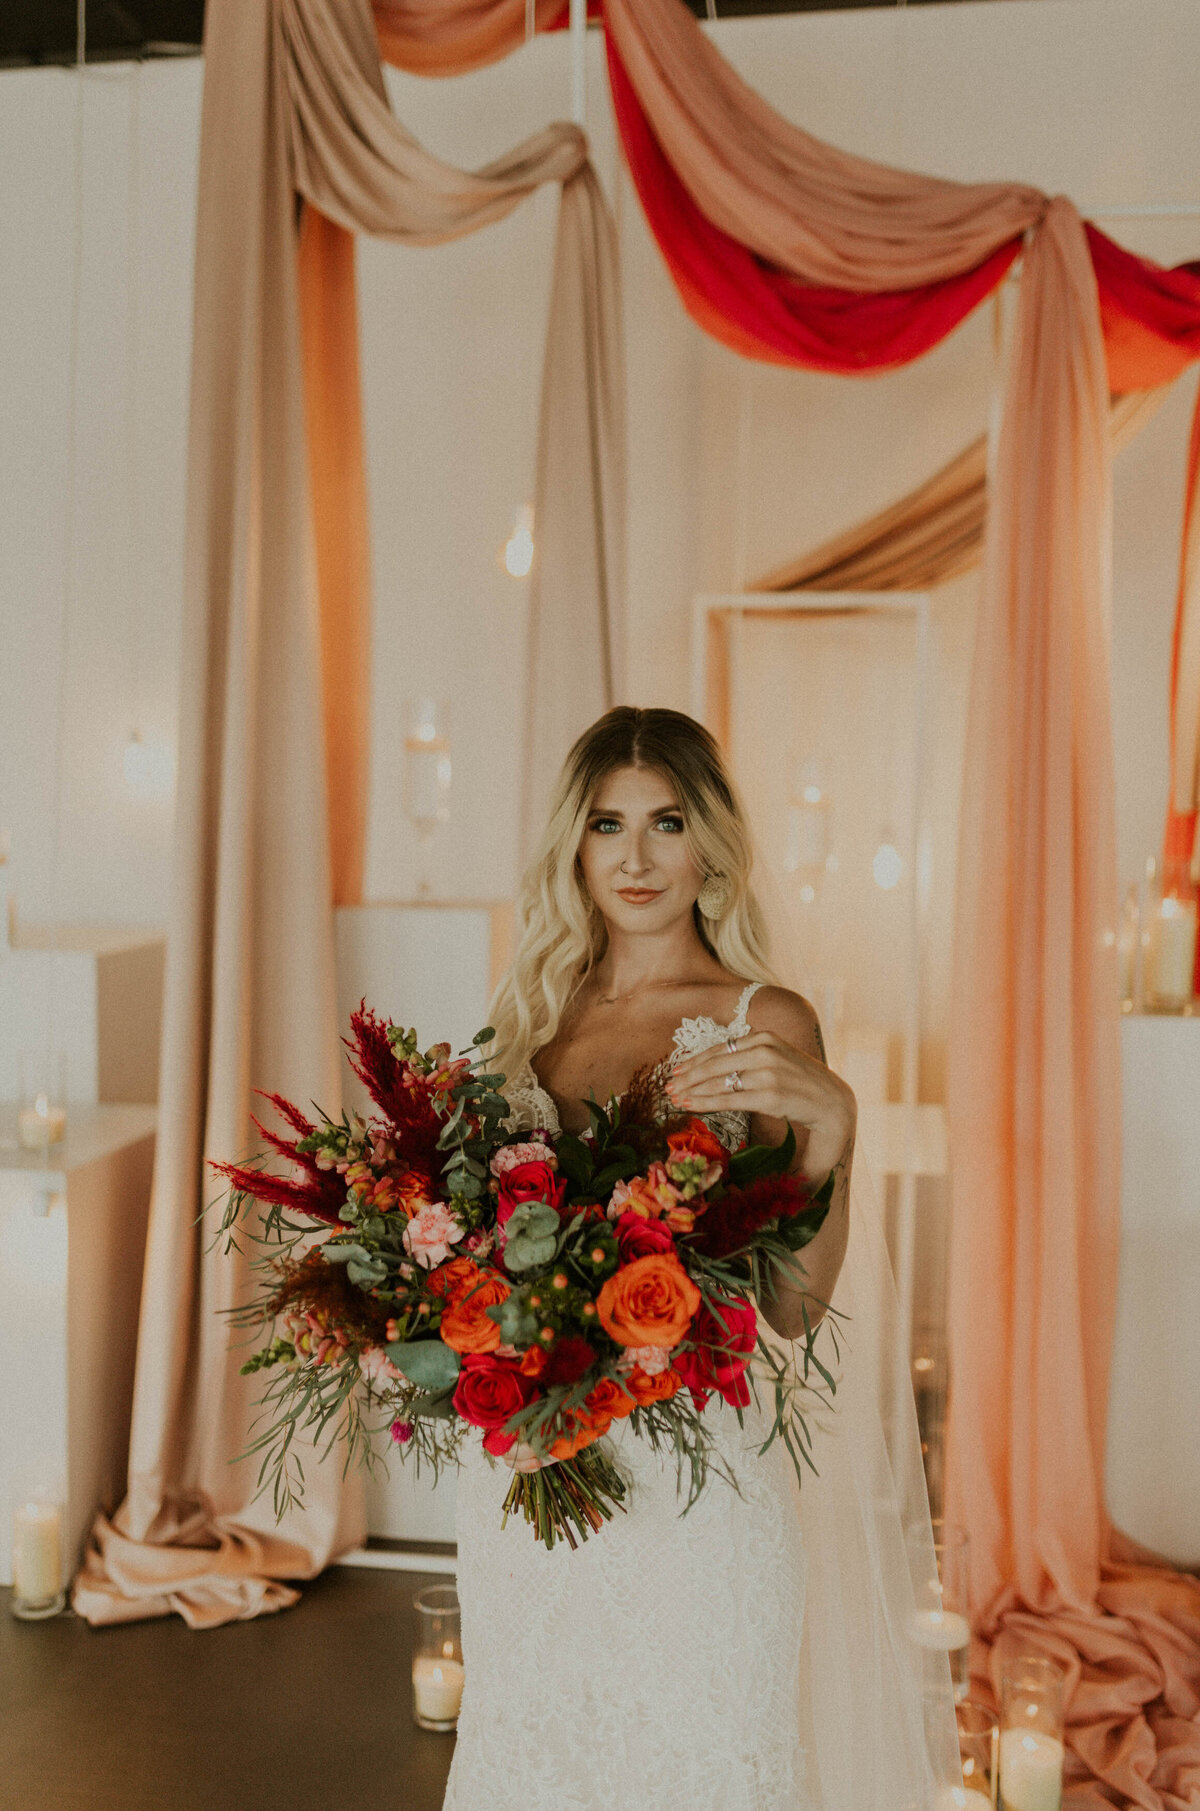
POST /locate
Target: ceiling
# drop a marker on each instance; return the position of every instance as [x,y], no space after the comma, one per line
[43,31]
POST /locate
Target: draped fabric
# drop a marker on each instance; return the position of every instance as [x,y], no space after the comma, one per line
[294,106]
[935,532]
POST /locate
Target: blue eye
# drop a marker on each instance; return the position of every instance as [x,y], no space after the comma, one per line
[606,825]
[671,823]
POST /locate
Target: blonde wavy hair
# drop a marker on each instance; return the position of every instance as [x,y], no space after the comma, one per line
[560,930]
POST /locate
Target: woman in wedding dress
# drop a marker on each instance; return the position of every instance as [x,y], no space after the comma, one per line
[658,1667]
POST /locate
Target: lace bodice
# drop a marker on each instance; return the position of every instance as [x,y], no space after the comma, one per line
[534,1109]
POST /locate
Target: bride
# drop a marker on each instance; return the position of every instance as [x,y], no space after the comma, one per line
[674,1663]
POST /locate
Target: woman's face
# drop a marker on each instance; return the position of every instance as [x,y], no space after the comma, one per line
[634,855]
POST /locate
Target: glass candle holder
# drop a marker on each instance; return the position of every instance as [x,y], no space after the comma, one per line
[978,1738]
[940,1622]
[1031,1734]
[38,1587]
[42,1114]
[437,1668]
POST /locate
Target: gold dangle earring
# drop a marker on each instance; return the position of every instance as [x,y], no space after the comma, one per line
[713,897]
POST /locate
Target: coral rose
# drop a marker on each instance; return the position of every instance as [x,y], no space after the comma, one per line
[489,1391]
[725,1343]
[650,1302]
[645,1388]
[465,1325]
[582,1428]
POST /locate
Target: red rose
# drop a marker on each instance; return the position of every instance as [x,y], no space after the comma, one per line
[488,1392]
[637,1236]
[529,1182]
[566,1361]
[725,1343]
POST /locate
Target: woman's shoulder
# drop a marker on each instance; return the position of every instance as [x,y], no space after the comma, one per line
[789,1015]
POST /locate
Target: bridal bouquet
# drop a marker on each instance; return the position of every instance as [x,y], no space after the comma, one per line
[536,1289]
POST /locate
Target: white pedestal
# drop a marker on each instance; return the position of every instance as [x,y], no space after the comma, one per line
[98,994]
[72,1241]
[1153,1472]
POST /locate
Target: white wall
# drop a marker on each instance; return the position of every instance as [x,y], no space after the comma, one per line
[109,661]
[733,467]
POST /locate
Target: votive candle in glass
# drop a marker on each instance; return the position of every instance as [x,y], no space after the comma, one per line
[42,1115]
[1031,1734]
[437,1667]
[37,1564]
[940,1620]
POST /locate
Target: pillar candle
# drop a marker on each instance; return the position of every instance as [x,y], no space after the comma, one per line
[36,1552]
[1031,1768]
[38,1129]
[1172,950]
[940,1629]
[437,1687]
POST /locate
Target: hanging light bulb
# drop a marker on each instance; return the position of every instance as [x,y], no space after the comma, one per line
[149,767]
[888,866]
[516,556]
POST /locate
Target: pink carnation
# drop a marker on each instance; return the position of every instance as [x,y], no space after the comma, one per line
[377,1367]
[534,1150]
[430,1233]
[650,1359]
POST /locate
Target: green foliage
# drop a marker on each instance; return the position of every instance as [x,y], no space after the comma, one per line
[428,1363]
[531,1236]
[762,1160]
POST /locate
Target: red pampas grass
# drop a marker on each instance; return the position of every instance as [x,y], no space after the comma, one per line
[401,1096]
[732,1222]
[319,1193]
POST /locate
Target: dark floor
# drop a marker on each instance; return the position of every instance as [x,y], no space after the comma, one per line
[309,1710]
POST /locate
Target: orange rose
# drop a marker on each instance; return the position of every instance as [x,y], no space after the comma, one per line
[609,1400]
[649,1302]
[646,1389]
[455,1279]
[696,1139]
[533,1361]
[583,1432]
[465,1324]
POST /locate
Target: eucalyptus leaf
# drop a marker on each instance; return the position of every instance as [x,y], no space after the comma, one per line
[334,1252]
[429,1363]
[484,1037]
[517,1325]
[366,1276]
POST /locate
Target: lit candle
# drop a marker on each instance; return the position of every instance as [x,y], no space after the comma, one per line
[962,1798]
[940,1629]
[36,1548]
[437,1687]
[40,1126]
[1172,954]
[1031,1768]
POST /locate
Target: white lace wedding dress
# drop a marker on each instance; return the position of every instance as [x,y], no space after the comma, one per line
[656,1667]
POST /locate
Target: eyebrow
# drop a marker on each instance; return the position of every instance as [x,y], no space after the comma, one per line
[662,811]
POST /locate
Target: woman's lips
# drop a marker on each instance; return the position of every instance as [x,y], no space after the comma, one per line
[639,895]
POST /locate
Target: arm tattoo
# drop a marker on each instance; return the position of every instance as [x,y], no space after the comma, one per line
[820,1040]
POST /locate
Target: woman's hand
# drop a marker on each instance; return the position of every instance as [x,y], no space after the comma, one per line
[780,1083]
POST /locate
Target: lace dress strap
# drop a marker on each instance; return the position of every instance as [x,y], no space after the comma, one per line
[739,1024]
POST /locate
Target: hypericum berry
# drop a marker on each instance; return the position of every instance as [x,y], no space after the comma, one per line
[535,1301]
[598,1254]
[588,1310]
[559,1279]
[546,1335]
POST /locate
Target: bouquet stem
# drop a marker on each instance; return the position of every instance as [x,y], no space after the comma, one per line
[575,1496]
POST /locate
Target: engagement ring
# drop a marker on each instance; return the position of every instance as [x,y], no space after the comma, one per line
[733,1081]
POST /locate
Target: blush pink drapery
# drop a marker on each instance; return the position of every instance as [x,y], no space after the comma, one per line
[294,107]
